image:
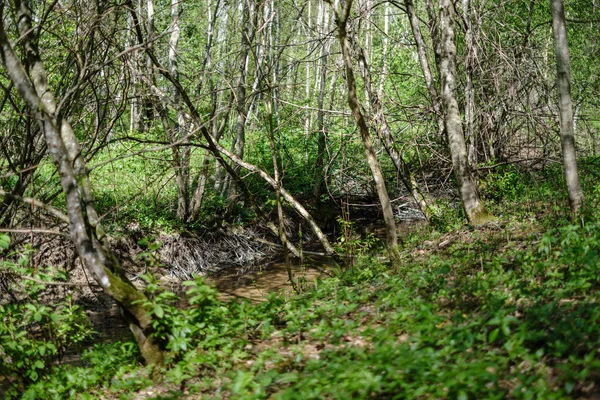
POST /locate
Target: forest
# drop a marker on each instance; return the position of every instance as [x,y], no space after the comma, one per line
[299,199]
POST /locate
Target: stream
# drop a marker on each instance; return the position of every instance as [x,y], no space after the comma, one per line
[251,283]
[256,283]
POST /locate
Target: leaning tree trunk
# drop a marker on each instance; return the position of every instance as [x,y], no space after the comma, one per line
[218,151]
[379,121]
[85,230]
[384,199]
[565,105]
[474,208]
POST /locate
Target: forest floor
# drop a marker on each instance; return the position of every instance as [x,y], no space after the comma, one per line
[509,310]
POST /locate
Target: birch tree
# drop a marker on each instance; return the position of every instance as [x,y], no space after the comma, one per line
[86,232]
[565,105]
[467,186]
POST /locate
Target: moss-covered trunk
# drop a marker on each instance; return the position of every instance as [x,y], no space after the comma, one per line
[85,231]
[467,187]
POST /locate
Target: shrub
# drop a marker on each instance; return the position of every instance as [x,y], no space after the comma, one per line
[34,333]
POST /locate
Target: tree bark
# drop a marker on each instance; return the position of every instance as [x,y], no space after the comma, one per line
[321,128]
[85,230]
[474,208]
[382,128]
[181,154]
[249,19]
[469,88]
[565,105]
[384,199]
[425,65]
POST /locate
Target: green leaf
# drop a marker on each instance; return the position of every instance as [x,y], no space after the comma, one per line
[4,241]
[569,387]
[494,335]
[158,311]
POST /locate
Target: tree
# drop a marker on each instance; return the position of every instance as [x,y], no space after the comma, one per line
[381,126]
[384,198]
[565,105]
[467,187]
[86,232]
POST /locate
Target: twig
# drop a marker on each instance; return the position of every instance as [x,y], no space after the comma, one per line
[34,230]
[538,159]
[34,202]
[57,283]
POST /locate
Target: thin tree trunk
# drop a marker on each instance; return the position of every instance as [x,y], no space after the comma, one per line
[249,18]
[565,105]
[474,208]
[198,195]
[384,67]
[322,130]
[181,154]
[276,176]
[307,85]
[218,151]
[384,199]
[383,131]
[424,62]
[469,88]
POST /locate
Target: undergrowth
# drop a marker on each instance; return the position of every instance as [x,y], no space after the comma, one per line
[507,311]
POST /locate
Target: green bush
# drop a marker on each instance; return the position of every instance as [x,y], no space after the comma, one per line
[505,183]
[34,333]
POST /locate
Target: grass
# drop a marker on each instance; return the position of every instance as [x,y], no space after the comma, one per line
[508,311]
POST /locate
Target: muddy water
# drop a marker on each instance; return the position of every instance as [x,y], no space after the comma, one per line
[253,284]
[258,283]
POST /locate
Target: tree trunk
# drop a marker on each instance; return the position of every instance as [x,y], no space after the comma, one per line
[383,131]
[474,208]
[198,195]
[321,128]
[249,19]
[85,230]
[424,62]
[218,151]
[434,32]
[565,105]
[469,88]
[181,154]
[384,199]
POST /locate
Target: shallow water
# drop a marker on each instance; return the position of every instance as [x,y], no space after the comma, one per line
[256,284]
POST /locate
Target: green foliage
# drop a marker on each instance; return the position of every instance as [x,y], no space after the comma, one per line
[33,331]
[496,313]
[447,216]
[200,323]
[4,242]
[350,244]
[505,183]
[102,363]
